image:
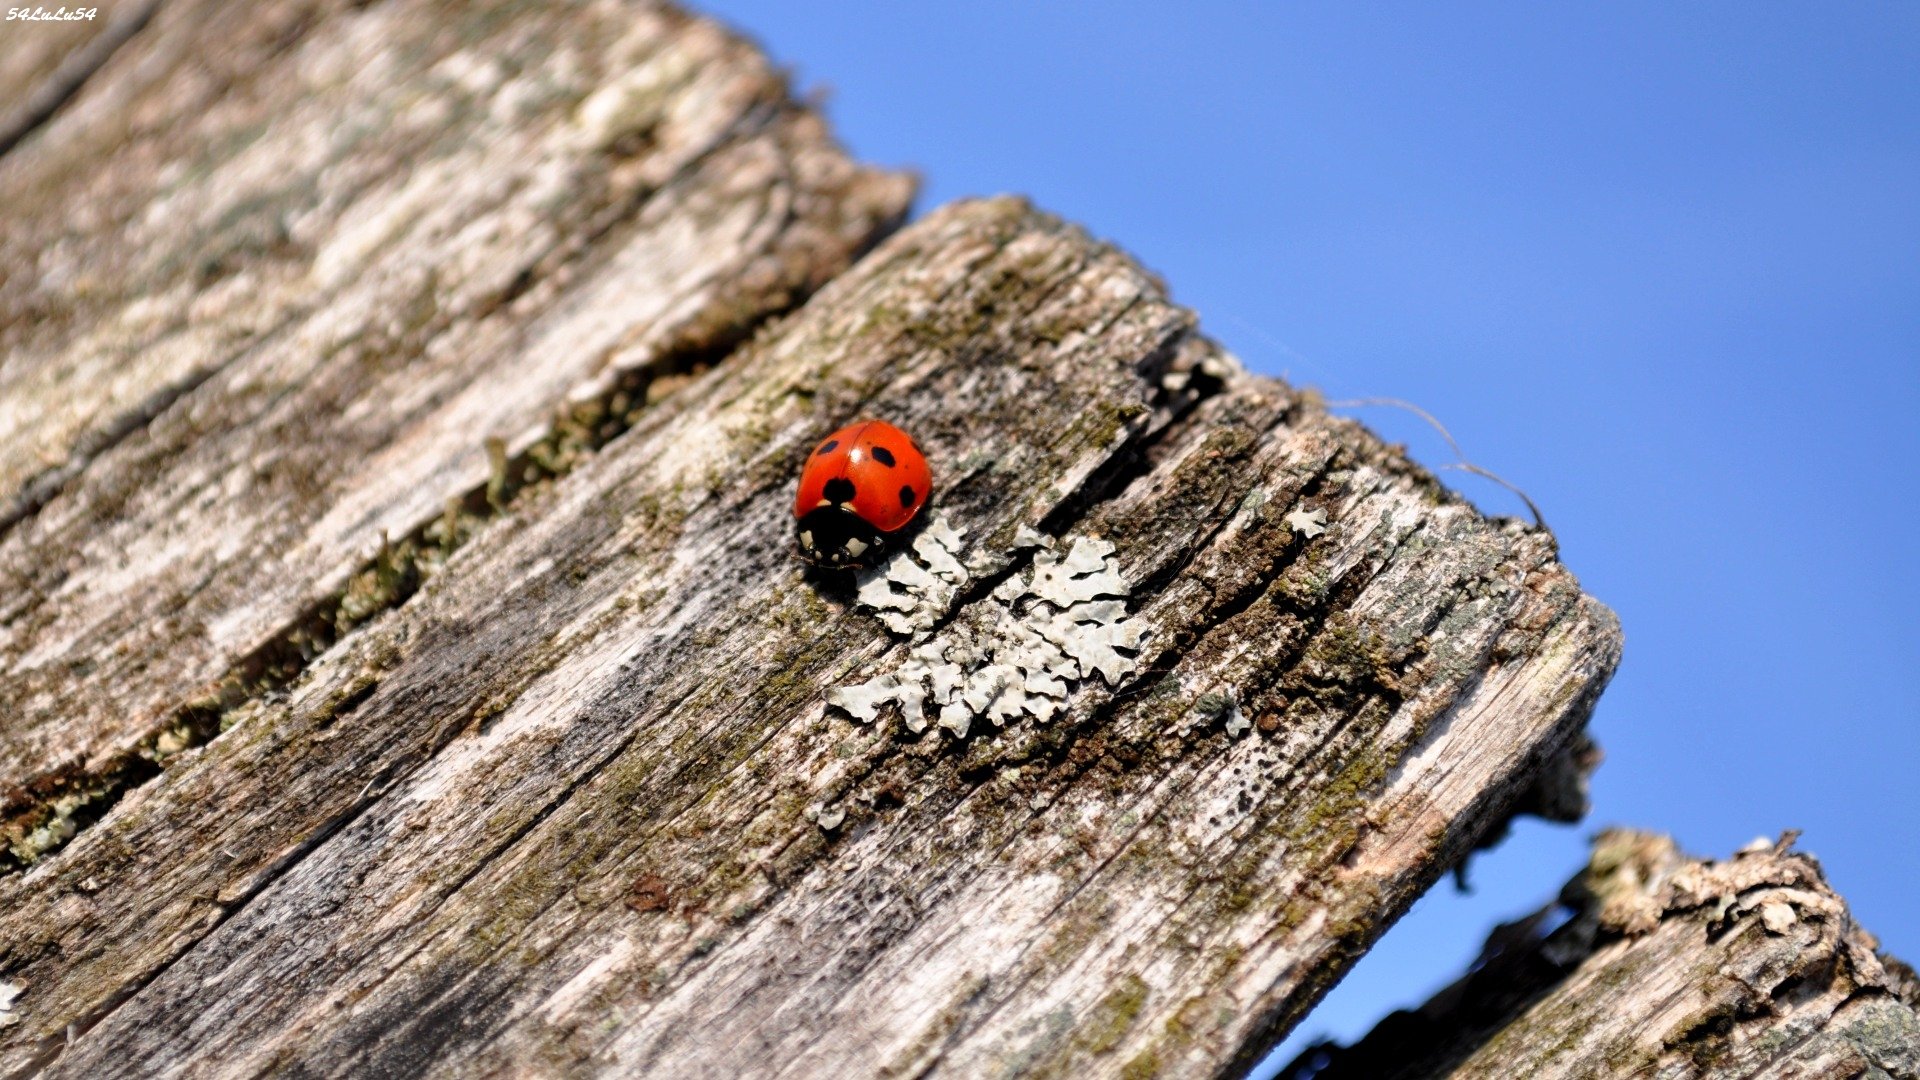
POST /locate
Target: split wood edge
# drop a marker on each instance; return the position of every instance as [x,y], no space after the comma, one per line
[1655,964]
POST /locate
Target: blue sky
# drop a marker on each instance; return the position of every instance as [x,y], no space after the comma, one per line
[1657,264]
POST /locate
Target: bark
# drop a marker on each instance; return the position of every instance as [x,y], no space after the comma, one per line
[407,671]
[1662,966]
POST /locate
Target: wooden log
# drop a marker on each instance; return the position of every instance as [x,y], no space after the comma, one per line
[1653,964]
[527,766]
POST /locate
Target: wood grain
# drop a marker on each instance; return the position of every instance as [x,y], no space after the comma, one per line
[1657,965]
[46,62]
[292,323]
[563,806]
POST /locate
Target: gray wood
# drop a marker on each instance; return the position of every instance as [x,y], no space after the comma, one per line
[296,324]
[422,859]
[1664,967]
[47,61]
[405,666]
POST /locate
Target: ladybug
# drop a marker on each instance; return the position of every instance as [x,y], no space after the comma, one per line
[862,485]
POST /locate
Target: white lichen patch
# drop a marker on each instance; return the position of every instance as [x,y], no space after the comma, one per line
[1237,723]
[9,993]
[1020,652]
[1308,523]
[1026,537]
[910,597]
[53,832]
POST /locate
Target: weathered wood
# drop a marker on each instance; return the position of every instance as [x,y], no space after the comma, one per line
[422,859]
[327,291]
[1662,967]
[46,62]
[546,781]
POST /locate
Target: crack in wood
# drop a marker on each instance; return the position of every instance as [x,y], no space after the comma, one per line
[43,488]
[59,87]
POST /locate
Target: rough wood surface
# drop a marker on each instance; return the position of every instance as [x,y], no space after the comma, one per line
[46,62]
[1664,967]
[291,326]
[436,836]
[345,745]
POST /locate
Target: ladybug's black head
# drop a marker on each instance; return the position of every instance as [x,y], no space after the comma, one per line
[836,538]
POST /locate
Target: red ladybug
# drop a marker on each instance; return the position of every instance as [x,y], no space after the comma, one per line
[862,484]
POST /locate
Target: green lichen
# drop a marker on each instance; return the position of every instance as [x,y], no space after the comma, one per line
[1099,428]
[396,573]
[1113,1016]
[1334,816]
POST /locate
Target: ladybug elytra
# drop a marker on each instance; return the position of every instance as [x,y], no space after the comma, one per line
[862,484]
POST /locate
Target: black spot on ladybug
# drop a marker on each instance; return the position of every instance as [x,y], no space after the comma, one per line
[883,455]
[907,496]
[828,448]
[839,490]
